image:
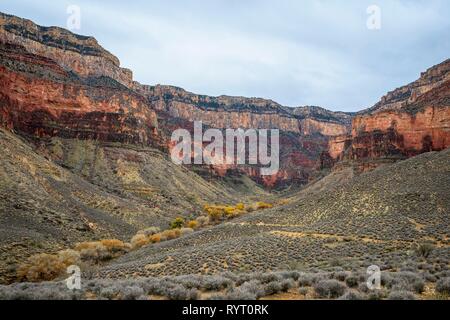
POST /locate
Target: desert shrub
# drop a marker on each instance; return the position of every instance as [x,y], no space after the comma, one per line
[250,209]
[377,294]
[294,275]
[139,241]
[193,224]
[170,234]
[407,281]
[131,293]
[156,238]
[109,293]
[353,295]
[387,279]
[352,281]
[429,277]
[230,212]
[42,291]
[203,221]
[362,287]
[341,275]
[178,223]
[41,267]
[179,293]
[69,257]
[240,294]
[443,286]
[424,249]
[287,284]
[104,250]
[115,246]
[250,290]
[273,288]
[190,281]
[216,283]
[217,213]
[267,277]
[263,205]
[47,267]
[307,280]
[330,288]
[94,253]
[401,295]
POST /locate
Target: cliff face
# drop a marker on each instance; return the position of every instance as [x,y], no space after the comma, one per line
[247,113]
[304,131]
[81,54]
[58,84]
[38,97]
[406,122]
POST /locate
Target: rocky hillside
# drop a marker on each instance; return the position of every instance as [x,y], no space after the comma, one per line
[377,218]
[406,122]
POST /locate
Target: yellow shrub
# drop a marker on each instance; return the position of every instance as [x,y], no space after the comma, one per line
[229,211]
[240,206]
[113,245]
[156,238]
[69,257]
[193,224]
[41,267]
[97,251]
[215,212]
[170,234]
[139,241]
[263,205]
[85,245]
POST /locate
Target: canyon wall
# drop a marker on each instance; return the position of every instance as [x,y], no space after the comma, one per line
[247,113]
[40,98]
[73,52]
[406,122]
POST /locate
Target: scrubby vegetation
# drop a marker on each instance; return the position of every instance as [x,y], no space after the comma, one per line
[443,286]
[47,267]
[226,286]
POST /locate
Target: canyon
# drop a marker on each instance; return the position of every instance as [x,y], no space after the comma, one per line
[86,157]
[58,84]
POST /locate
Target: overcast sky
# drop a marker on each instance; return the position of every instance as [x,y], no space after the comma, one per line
[294,52]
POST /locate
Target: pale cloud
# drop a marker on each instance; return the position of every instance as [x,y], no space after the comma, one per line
[294,52]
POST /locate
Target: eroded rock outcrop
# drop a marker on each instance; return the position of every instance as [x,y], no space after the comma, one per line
[40,98]
[73,52]
[406,122]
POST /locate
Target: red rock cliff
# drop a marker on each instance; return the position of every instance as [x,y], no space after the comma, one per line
[56,83]
[81,54]
[40,98]
[406,122]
